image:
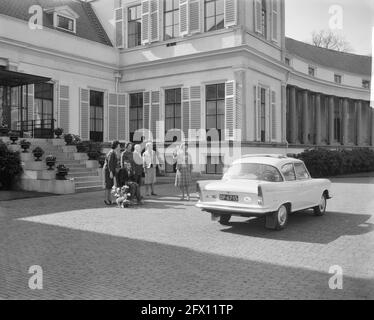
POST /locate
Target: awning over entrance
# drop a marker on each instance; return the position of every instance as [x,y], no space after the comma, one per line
[15,79]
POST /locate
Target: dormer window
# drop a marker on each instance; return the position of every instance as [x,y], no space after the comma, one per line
[64,18]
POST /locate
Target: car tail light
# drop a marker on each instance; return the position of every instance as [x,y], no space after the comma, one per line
[259,196]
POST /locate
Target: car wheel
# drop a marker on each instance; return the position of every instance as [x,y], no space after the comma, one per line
[321,208]
[278,219]
[225,219]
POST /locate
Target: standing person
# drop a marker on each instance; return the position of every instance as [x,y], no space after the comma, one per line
[126,155]
[184,169]
[110,167]
[138,164]
[150,162]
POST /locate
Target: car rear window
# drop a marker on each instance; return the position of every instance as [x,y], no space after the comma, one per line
[253,171]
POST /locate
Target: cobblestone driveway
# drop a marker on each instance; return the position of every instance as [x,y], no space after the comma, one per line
[168,249]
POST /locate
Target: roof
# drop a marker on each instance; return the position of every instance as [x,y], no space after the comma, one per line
[268,159]
[15,79]
[88,24]
[352,63]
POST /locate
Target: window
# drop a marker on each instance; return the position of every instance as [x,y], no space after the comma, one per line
[44,103]
[65,23]
[338,78]
[173,109]
[366,84]
[134,26]
[253,171]
[136,113]
[301,172]
[262,115]
[213,19]
[287,61]
[264,18]
[214,165]
[288,172]
[96,115]
[171,19]
[311,71]
[215,108]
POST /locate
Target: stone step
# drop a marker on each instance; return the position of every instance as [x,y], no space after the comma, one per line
[84,169]
[86,184]
[86,179]
[88,189]
[83,174]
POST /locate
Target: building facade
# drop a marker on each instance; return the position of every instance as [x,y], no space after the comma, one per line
[172,70]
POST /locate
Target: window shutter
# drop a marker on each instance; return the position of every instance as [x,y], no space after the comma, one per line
[230,13]
[64,108]
[120,27]
[258,16]
[257,104]
[146,109]
[113,117]
[183,17]
[145,22]
[194,16]
[238,112]
[155,112]
[154,20]
[195,107]
[185,111]
[230,109]
[123,117]
[274,29]
[84,114]
[273,116]
[267,115]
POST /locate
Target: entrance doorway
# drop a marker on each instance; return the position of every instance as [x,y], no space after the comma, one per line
[96,116]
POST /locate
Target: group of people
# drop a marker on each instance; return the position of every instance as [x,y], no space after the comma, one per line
[128,169]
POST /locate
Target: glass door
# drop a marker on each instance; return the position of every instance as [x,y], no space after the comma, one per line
[96,116]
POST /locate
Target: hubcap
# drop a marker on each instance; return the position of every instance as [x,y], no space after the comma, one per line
[282,215]
[322,205]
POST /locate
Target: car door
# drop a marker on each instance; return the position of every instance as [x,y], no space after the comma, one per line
[307,188]
[290,186]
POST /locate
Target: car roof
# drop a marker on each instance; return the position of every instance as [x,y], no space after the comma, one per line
[275,160]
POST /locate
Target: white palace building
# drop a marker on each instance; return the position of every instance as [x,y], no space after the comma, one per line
[107,68]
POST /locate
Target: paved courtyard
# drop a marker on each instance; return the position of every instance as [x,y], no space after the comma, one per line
[168,249]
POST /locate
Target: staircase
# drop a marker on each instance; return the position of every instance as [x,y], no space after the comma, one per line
[86,179]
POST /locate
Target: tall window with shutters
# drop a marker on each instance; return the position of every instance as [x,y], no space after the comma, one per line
[173,118]
[96,116]
[171,19]
[136,113]
[262,114]
[264,18]
[215,108]
[134,26]
[213,15]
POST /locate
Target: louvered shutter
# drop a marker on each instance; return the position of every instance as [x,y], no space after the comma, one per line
[195,107]
[273,116]
[258,16]
[185,111]
[238,111]
[230,109]
[257,105]
[113,117]
[194,16]
[64,108]
[120,27]
[146,109]
[155,112]
[84,114]
[123,117]
[230,12]
[267,115]
[145,5]
[274,19]
[154,20]
[183,17]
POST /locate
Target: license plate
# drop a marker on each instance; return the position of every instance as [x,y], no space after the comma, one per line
[228,197]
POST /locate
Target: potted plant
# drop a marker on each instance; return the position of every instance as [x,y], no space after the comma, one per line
[62,172]
[38,153]
[68,139]
[13,136]
[58,132]
[93,154]
[50,161]
[25,145]
[4,130]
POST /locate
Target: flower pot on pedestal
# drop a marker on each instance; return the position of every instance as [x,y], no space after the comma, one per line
[62,172]
[13,136]
[59,132]
[50,161]
[38,153]
[25,145]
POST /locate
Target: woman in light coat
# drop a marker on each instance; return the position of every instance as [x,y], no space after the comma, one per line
[150,162]
[184,169]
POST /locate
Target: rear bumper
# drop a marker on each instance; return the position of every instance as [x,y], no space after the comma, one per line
[248,211]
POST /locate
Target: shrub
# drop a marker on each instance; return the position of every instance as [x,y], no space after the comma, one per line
[72,139]
[324,163]
[10,166]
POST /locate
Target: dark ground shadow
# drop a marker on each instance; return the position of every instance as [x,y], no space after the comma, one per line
[86,265]
[353,180]
[306,227]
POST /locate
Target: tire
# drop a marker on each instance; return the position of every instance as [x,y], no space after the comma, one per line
[278,219]
[225,219]
[320,210]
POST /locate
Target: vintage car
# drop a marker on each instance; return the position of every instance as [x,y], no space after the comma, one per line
[264,185]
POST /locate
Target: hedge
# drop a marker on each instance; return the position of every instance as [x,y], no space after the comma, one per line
[10,166]
[325,163]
